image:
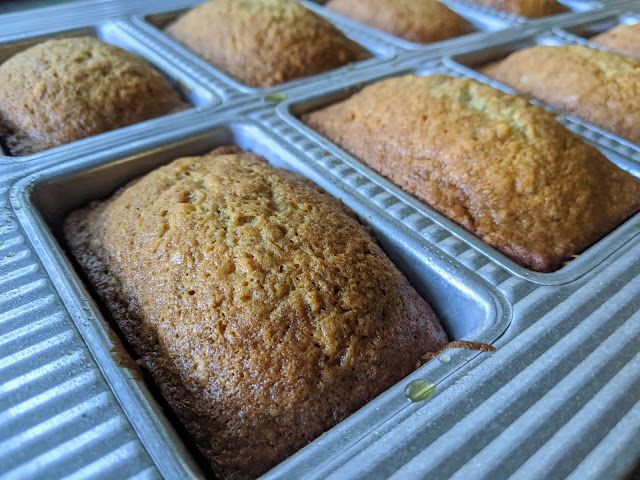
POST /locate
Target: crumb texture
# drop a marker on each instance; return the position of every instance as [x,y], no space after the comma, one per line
[524,8]
[623,39]
[599,87]
[505,170]
[63,90]
[421,21]
[264,42]
[263,310]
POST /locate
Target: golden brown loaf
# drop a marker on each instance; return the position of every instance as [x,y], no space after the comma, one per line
[63,90]
[623,39]
[264,311]
[503,169]
[421,21]
[524,8]
[599,87]
[264,42]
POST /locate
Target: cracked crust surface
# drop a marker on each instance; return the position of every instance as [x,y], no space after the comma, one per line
[524,8]
[264,311]
[63,90]
[421,21]
[502,168]
[264,42]
[623,39]
[599,87]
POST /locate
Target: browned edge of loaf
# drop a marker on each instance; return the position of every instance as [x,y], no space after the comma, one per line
[525,8]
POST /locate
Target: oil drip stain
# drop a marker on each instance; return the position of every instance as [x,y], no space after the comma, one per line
[419,390]
[275,97]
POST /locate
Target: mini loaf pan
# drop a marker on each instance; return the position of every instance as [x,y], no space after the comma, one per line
[115,33]
[380,50]
[623,152]
[488,19]
[434,228]
[469,307]
[479,294]
[480,19]
[382,46]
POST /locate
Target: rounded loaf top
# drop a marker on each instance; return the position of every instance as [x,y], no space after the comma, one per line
[265,312]
[421,21]
[264,42]
[66,89]
[504,169]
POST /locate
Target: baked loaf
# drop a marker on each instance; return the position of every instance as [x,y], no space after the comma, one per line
[263,310]
[599,87]
[623,39]
[524,8]
[421,21]
[264,42]
[63,90]
[502,168]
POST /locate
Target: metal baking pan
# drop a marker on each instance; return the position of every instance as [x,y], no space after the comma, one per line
[469,307]
[586,30]
[296,106]
[572,6]
[560,396]
[382,46]
[192,89]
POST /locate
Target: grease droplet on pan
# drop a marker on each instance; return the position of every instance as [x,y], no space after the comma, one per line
[419,390]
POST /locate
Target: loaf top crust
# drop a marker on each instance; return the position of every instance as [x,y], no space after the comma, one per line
[599,87]
[623,39]
[264,311]
[66,89]
[421,21]
[502,168]
[264,42]
[524,8]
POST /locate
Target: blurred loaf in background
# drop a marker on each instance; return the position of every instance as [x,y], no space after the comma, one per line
[421,21]
[66,89]
[264,42]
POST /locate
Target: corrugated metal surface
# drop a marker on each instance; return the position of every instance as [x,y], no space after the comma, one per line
[565,373]
[58,416]
[559,398]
